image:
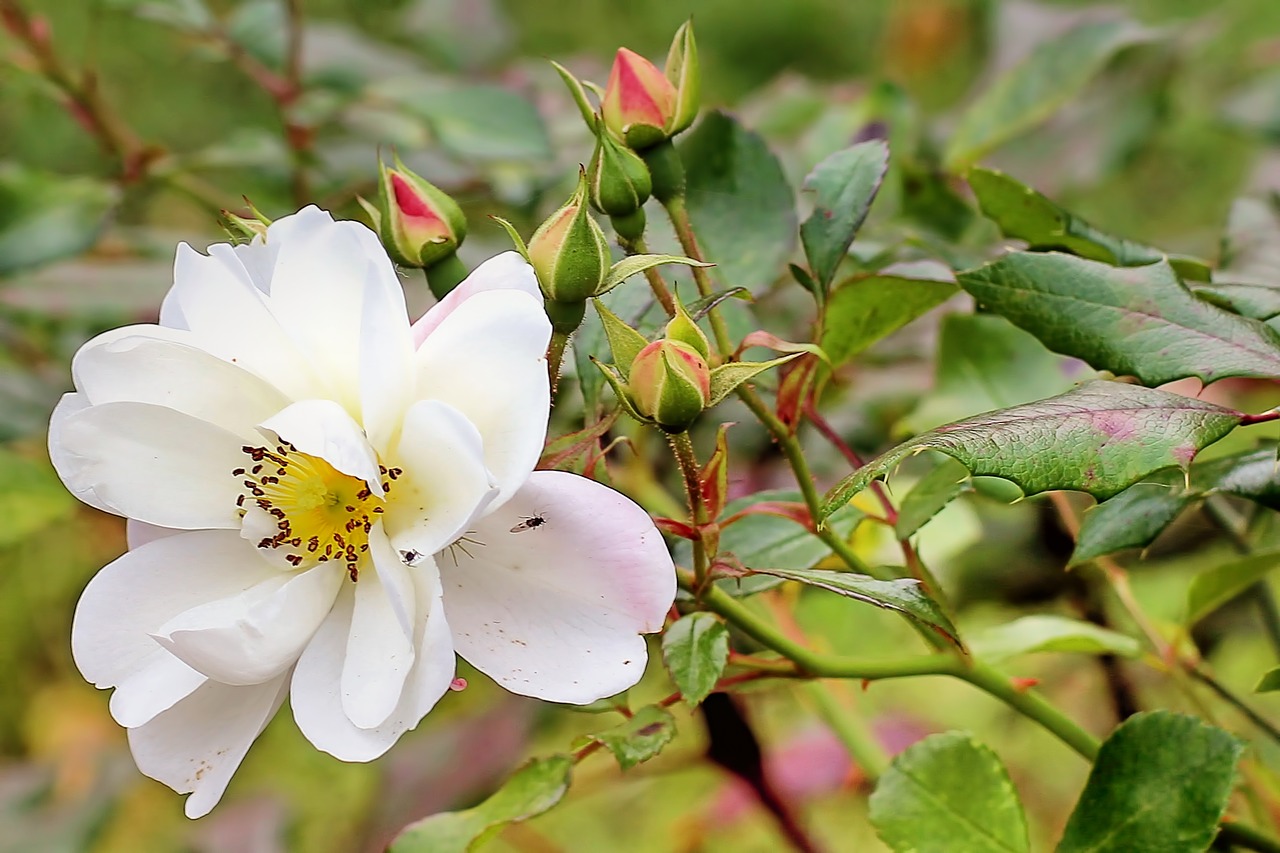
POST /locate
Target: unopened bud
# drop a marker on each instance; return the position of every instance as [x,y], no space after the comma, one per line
[417,222]
[669,383]
[618,179]
[682,328]
[644,106]
[569,251]
[245,227]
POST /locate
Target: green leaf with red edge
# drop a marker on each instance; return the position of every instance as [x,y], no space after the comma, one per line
[1161,782]
[901,596]
[638,739]
[1099,438]
[1025,214]
[570,451]
[844,185]
[532,790]
[1135,321]
[695,649]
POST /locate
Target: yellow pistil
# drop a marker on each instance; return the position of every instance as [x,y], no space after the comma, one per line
[321,513]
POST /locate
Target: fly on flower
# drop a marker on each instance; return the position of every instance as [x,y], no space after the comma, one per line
[293,456]
[533,522]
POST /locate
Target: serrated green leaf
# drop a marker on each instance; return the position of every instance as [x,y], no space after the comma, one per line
[1024,214]
[638,739]
[984,362]
[1160,783]
[928,497]
[1269,682]
[1053,73]
[901,596]
[633,264]
[46,217]
[1099,438]
[865,309]
[739,200]
[1049,633]
[533,789]
[695,649]
[1214,587]
[844,186]
[1136,321]
[1257,301]
[1133,518]
[949,793]
[728,376]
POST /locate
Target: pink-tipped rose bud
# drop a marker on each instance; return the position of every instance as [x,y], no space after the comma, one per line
[644,106]
[669,383]
[418,223]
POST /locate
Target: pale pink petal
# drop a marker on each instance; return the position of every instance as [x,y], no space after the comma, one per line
[444,484]
[151,463]
[196,746]
[380,649]
[557,610]
[143,368]
[323,428]
[316,695]
[229,317]
[255,635]
[487,359]
[508,271]
[130,598]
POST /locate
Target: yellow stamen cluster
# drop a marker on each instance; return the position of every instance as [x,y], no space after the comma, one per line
[321,513]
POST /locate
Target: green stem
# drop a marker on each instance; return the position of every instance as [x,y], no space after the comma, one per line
[1032,705]
[679,215]
[852,731]
[686,458]
[444,275]
[1232,699]
[661,292]
[555,357]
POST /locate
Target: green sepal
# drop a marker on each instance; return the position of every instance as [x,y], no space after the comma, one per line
[624,341]
[577,92]
[514,235]
[682,71]
[632,264]
[726,377]
[620,391]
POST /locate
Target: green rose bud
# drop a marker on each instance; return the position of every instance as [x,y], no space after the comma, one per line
[618,179]
[670,384]
[569,252]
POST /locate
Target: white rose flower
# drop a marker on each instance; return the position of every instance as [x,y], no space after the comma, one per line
[327,502]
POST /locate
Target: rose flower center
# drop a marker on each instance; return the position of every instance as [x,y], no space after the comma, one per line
[319,513]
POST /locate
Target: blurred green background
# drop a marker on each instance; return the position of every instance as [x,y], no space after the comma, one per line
[1156,148]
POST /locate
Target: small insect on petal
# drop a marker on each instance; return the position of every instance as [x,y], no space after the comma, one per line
[530,523]
[411,558]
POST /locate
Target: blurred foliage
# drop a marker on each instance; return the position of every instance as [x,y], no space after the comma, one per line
[1181,117]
